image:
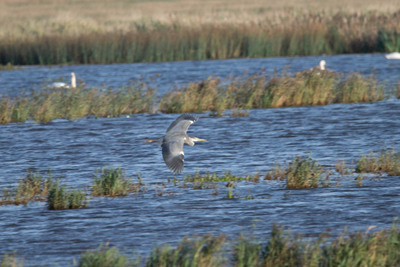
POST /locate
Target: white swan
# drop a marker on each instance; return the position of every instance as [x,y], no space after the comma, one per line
[395,55]
[322,64]
[64,85]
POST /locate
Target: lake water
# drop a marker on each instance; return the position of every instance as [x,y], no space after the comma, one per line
[248,145]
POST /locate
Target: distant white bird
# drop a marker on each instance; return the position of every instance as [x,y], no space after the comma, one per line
[395,55]
[64,85]
[322,64]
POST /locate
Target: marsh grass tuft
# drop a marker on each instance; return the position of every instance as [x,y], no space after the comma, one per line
[282,248]
[46,104]
[387,161]
[307,88]
[11,260]
[105,256]
[205,250]
[302,172]
[33,187]
[111,183]
[59,198]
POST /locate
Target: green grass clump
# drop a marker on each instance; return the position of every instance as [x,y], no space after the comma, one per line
[104,256]
[111,183]
[387,161]
[47,104]
[33,187]
[307,88]
[304,173]
[300,173]
[283,34]
[204,251]
[213,177]
[10,260]
[59,198]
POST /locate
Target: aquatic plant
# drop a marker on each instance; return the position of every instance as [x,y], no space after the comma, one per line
[46,104]
[205,250]
[256,91]
[33,187]
[105,256]
[11,260]
[302,172]
[387,161]
[59,198]
[111,183]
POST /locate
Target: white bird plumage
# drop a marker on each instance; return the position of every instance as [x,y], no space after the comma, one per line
[394,55]
[65,85]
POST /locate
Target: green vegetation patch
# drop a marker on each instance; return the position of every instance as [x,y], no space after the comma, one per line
[48,104]
[59,198]
[111,182]
[33,187]
[387,161]
[284,34]
[307,88]
[105,256]
[302,172]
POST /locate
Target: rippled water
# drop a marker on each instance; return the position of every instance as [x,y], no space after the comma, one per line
[74,150]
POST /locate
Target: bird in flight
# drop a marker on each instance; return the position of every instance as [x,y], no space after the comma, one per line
[173,141]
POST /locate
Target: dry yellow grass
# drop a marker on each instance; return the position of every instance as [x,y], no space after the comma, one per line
[36,17]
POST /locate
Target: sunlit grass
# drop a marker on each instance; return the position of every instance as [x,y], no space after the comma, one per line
[111,182]
[106,256]
[205,250]
[33,187]
[287,33]
[302,172]
[47,104]
[60,198]
[387,161]
[281,248]
[307,88]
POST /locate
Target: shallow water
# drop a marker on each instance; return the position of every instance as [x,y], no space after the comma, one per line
[74,150]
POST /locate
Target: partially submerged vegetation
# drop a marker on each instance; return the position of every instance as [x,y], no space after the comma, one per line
[300,173]
[60,198]
[388,161]
[73,103]
[310,87]
[113,183]
[307,88]
[282,248]
[33,187]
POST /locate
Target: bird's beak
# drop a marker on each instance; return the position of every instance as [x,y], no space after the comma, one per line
[198,139]
[150,141]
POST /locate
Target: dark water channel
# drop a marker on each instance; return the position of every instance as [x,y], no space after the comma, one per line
[74,150]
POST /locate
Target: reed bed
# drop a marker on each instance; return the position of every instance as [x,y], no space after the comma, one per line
[387,161]
[113,183]
[59,198]
[302,172]
[307,88]
[33,187]
[289,35]
[47,104]
[282,248]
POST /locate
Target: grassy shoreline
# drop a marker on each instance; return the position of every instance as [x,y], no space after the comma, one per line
[84,32]
[309,34]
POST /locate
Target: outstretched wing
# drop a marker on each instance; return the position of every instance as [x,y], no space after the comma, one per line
[173,155]
[181,124]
